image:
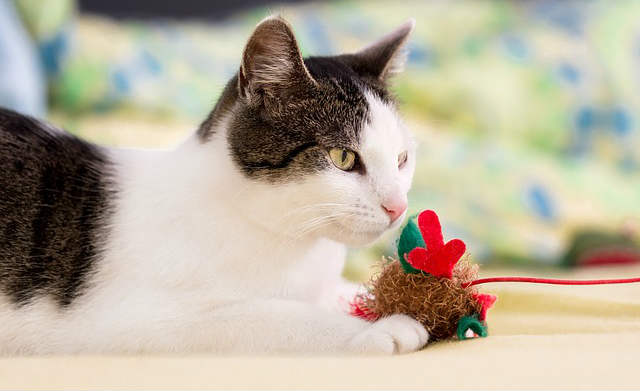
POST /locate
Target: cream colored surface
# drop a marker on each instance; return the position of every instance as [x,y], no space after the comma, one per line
[541,336]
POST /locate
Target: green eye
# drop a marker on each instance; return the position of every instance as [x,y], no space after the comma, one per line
[344,159]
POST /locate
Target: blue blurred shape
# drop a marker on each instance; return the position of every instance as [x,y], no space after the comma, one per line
[516,47]
[52,52]
[584,125]
[150,62]
[317,32]
[621,122]
[628,164]
[420,55]
[569,73]
[540,202]
[22,81]
[120,81]
[567,15]
[585,120]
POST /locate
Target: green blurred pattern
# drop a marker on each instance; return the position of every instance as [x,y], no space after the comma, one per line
[526,112]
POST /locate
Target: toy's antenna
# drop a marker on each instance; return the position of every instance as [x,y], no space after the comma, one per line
[553,281]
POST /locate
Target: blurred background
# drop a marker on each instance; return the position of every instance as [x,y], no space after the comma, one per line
[527,112]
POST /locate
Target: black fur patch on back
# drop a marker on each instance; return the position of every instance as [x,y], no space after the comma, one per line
[54,201]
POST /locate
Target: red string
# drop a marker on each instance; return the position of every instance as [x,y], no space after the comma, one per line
[550,281]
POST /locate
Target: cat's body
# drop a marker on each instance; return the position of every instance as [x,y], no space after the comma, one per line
[232,241]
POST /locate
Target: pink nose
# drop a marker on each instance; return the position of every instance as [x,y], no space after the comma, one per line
[395,208]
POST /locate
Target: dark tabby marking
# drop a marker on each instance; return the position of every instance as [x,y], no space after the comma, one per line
[284,115]
[296,133]
[53,199]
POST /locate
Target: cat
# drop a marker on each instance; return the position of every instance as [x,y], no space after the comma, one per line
[233,241]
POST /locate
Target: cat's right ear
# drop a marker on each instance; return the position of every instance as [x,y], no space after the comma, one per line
[272,63]
[386,56]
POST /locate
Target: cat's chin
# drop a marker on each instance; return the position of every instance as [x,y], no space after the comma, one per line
[355,238]
[349,236]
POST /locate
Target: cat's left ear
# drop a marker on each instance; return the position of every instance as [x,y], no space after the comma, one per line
[272,64]
[386,56]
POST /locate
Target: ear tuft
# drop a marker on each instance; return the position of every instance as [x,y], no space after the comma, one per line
[385,57]
[271,61]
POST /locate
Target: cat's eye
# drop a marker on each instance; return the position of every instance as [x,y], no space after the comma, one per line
[342,158]
[402,159]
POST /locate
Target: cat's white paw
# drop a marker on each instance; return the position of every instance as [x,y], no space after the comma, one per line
[393,334]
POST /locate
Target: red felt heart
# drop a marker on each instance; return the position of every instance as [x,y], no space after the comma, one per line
[448,256]
[419,258]
[439,263]
[437,259]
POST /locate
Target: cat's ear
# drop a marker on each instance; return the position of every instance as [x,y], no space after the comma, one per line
[272,62]
[386,56]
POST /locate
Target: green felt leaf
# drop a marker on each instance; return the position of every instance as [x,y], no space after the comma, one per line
[410,238]
[471,322]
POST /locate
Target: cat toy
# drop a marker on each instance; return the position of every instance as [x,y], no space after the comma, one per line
[428,283]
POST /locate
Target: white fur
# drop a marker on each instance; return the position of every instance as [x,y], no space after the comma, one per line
[199,258]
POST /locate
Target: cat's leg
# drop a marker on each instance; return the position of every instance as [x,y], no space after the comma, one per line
[337,292]
[340,295]
[284,326]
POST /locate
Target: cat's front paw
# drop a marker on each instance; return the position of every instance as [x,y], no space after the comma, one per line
[390,335]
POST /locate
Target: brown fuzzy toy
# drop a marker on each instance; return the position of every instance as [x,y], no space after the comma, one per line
[428,284]
[437,303]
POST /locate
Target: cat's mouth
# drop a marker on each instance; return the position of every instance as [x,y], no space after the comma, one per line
[355,235]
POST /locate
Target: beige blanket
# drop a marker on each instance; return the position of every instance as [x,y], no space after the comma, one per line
[540,336]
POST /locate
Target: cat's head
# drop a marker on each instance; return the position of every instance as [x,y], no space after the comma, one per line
[319,138]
